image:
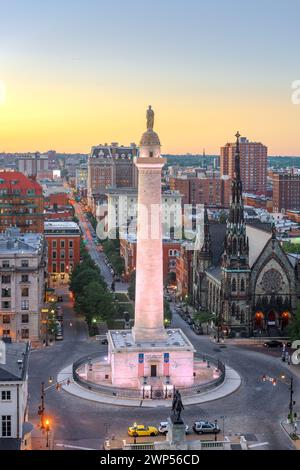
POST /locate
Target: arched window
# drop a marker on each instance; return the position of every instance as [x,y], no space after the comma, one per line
[234,246]
[243,285]
[233,285]
[233,310]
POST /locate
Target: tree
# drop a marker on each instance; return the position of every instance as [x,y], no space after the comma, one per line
[167,313]
[82,278]
[131,288]
[294,326]
[290,247]
[95,302]
[203,317]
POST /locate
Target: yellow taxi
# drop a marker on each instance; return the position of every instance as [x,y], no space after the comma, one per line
[140,430]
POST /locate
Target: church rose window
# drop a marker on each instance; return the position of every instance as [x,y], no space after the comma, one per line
[272,280]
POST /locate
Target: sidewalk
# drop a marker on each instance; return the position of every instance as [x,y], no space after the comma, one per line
[289,429]
[230,385]
[39,438]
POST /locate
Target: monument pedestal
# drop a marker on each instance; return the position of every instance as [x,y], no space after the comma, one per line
[176,433]
[163,362]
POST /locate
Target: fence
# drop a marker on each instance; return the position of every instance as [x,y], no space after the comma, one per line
[156,393]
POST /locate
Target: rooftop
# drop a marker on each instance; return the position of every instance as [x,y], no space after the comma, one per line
[123,340]
[61,226]
[15,364]
[13,242]
[134,192]
[15,182]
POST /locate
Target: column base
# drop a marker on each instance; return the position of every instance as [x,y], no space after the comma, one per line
[153,335]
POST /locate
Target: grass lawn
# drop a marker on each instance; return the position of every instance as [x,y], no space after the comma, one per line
[122,297]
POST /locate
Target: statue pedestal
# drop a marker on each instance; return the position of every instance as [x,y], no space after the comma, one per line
[176,433]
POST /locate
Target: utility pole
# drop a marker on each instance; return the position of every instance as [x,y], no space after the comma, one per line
[291,406]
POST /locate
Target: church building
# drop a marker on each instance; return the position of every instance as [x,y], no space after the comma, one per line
[241,273]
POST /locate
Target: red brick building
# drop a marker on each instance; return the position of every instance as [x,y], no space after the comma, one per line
[63,239]
[170,253]
[66,214]
[286,191]
[21,203]
[57,200]
[209,190]
[58,207]
[184,271]
[293,215]
[183,186]
[253,164]
[259,202]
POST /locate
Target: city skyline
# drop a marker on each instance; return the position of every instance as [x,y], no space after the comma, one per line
[78,74]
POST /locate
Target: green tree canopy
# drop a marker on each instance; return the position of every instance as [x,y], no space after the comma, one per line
[294,326]
[131,288]
[203,317]
[290,247]
[95,302]
[81,278]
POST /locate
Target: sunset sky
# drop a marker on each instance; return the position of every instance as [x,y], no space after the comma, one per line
[77,73]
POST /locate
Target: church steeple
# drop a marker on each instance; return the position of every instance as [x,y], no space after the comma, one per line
[206,248]
[236,243]
[236,214]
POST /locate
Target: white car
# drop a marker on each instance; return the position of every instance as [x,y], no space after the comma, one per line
[205,427]
[164,427]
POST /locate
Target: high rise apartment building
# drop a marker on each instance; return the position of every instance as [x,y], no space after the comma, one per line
[253,163]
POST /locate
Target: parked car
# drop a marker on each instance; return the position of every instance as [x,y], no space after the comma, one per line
[205,427]
[141,430]
[60,298]
[273,344]
[104,341]
[164,426]
[197,329]
[189,320]
[59,336]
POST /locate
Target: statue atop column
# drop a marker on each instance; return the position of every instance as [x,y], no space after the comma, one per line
[150,119]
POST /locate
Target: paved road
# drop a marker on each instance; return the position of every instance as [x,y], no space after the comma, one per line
[97,256]
[255,410]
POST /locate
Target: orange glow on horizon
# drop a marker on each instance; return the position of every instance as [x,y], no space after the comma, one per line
[42,117]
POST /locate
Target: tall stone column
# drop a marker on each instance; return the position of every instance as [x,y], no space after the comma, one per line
[149,308]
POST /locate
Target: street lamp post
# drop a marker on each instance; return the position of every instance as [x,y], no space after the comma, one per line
[47,428]
[42,405]
[291,388]
[216,427]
